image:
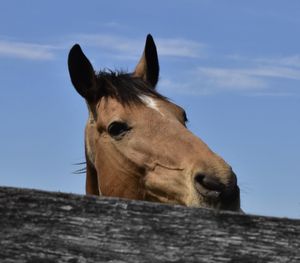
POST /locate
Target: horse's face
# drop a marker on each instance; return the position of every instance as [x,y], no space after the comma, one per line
[143,150]
[146,152]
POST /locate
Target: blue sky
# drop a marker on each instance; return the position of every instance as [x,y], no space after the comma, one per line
[233,65]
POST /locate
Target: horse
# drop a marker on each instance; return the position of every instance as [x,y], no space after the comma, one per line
[137,145]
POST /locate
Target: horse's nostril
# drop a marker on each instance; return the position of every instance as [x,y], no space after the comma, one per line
[199,178]
[211,188]
[209,182]
[208,186]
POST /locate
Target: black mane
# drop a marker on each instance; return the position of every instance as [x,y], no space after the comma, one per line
[124,87]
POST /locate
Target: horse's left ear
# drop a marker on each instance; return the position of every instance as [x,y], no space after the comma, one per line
[148,67]
[82,73]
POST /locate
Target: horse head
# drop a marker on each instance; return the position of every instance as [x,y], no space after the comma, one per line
[137,144]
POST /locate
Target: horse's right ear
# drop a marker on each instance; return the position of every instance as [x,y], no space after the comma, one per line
[82,73]
[148,66]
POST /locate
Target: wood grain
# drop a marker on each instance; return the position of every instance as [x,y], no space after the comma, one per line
[37,226]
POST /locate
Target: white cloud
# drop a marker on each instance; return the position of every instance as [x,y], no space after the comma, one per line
[132,47]
[290,61]
[25,50]
[170,86]
[117,47]
[254,80]
[275,72]
[127,47]
[178,47]
[251,78]
[208,80]
[233,79]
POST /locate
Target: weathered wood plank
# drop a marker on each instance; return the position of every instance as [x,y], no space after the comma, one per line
[37,226]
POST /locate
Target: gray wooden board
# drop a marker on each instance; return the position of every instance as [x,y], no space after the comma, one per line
[38,226]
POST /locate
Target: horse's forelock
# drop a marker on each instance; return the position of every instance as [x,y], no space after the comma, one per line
[125,88]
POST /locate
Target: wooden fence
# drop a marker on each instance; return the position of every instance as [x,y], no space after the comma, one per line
[38,226]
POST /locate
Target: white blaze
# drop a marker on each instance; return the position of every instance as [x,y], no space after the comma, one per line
[150,102]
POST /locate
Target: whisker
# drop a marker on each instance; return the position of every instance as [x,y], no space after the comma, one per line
[79,163]
[81,170]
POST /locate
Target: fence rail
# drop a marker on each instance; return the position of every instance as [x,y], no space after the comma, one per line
[38,226]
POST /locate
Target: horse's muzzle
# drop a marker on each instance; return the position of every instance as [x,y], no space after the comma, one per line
[217,194]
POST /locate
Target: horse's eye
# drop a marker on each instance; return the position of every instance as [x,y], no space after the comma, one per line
[117,129]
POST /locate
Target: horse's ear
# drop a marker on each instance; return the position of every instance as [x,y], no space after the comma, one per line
[148,67]
[82,73]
